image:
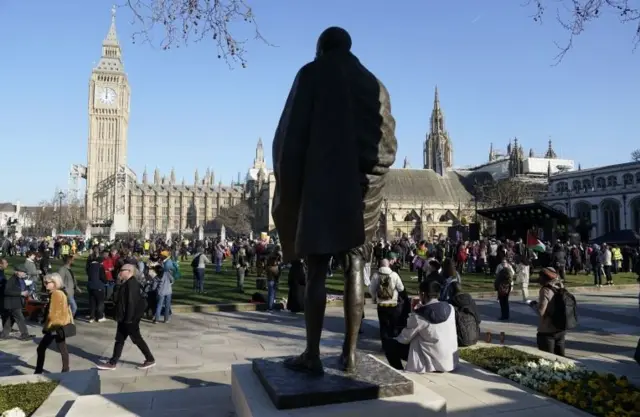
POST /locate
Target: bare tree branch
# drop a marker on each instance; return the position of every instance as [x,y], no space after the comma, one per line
[576,15]
[635,155]
[505,193]
[185,21]
[49,215]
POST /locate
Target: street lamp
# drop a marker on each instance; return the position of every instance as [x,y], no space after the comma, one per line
[60,197]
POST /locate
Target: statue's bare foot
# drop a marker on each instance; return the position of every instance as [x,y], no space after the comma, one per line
[348,361]
[305,364]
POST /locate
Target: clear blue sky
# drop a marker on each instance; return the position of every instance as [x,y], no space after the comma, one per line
[491,62]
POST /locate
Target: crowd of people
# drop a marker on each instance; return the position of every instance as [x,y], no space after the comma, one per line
[424,329]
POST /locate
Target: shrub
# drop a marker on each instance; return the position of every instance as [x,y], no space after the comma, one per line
[496,358]
[599,394]
[28,396]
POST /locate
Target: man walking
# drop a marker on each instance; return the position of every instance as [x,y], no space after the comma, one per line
[15,292]
[130,307]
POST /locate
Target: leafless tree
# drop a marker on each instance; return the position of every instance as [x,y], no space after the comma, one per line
[236,219]
[635,155]
[505,193]
[49,215]
[184,21]
[576,15]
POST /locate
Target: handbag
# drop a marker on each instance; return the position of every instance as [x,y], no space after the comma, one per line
[68,330]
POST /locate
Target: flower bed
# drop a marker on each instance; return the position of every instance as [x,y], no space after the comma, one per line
[27,396]
[597,394]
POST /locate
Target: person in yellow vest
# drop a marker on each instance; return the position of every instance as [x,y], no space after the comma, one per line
[65,249]
[145,247]
[616,257]
[74,247]
[420,261]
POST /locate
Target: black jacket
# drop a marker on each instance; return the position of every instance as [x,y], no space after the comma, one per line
[13,299]
[130,305]
[96,277]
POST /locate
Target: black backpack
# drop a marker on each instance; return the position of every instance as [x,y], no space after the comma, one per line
[563,309]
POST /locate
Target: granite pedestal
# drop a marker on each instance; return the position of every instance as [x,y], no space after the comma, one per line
[267,389]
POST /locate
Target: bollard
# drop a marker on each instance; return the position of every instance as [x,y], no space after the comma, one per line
[488,339]
[502,338]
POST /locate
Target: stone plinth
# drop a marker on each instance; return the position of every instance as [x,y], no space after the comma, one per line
[267,389]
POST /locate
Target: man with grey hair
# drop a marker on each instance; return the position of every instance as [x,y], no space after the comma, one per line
[130,307]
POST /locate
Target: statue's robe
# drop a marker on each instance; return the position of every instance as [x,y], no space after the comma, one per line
[334,144]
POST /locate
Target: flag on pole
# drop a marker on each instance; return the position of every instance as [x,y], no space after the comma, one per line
[534,243]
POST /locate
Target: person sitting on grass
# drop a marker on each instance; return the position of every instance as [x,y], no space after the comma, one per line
[429,343]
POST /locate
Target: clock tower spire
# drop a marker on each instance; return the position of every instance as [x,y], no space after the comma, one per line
[109,96]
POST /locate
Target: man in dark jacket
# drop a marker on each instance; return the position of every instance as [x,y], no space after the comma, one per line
[467,317]
[13,300]
[96,280]
[130,307]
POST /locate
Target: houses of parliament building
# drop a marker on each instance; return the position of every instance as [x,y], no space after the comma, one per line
[118,202]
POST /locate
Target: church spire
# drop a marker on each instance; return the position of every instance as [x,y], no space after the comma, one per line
[437,140]
[259,162]
[212,178]
[492,154]
[172,176]
[550,152]
[156,177]
[144,176]
[406,163]
[196,177]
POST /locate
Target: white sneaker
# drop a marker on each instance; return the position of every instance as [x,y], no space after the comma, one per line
[92,321]
[102,320]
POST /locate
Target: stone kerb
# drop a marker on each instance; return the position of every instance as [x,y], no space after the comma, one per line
[71,385]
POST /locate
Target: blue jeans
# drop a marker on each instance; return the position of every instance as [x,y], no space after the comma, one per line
[218,265]
[199,279]
[73,305]
[597,275]
[272,286]
[164,301]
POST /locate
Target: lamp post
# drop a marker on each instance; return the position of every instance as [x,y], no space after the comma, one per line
[60,197]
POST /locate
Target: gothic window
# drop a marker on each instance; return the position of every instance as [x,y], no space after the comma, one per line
[398,233]
[638,178]
[627,179]
[576,185]
[562,187]
[612,181]
[634,205]
[610,216]
[176,211]
[601,183]
[587,185]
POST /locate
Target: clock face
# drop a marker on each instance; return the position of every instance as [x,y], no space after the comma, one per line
[106,95]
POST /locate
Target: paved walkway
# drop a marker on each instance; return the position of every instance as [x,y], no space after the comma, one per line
[197,350]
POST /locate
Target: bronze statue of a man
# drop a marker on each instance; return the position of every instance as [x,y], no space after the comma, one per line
[334,144]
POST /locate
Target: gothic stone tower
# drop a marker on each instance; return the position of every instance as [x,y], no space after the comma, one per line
[109,96]
[438,152]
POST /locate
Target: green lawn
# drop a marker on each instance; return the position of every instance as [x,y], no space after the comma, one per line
[220,288]
[28,396]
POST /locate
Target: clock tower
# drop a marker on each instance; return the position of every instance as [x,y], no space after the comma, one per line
[109,97]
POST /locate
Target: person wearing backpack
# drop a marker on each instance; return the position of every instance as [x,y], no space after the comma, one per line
[503,285]
[557,310]
[467,316]
[388,292]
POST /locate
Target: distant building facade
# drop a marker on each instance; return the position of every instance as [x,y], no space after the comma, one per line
[605,198]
